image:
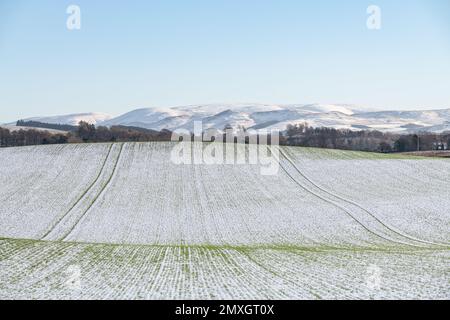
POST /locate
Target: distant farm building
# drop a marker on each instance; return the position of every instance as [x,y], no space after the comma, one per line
[440,146]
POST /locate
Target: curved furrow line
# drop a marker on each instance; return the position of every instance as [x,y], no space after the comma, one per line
[350,214]
[81,196]
[386,238]
[385,225]
[67,234]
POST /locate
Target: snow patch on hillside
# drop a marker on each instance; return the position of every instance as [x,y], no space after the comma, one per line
[73,119]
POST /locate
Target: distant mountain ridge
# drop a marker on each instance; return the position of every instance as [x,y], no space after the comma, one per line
[71,119]
[267,116]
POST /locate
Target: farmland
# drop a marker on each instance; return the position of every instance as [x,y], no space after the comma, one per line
[123,221]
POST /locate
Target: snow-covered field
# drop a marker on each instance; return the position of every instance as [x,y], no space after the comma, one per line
[123,221]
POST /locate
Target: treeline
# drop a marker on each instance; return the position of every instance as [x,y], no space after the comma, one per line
[84,132]
[18,138]
[424,141]
[54,126]
[364,140]
[90,133]
[295,135]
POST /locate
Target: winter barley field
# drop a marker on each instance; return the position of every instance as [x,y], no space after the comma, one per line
[121,221]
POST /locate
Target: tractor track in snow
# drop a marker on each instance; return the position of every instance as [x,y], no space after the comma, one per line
[85,194]
[67,234]
[348,212]
[82,195]
[384,224]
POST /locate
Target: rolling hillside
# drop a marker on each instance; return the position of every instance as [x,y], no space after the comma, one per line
[280,116]
[136,225]
[268,116]
[17,128]
[71,119]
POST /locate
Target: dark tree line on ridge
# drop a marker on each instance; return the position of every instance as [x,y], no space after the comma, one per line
[365,140]
[54,126]
[298,135]
[84,132]
[90,133]
[18,138]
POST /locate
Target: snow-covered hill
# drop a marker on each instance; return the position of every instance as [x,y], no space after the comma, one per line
[72,119]
[220,115]
[17,128]
[268,116]
[280,116]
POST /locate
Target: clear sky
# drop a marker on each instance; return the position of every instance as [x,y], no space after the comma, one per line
[131,54]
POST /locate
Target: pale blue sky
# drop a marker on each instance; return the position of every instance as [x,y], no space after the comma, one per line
[131,54]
